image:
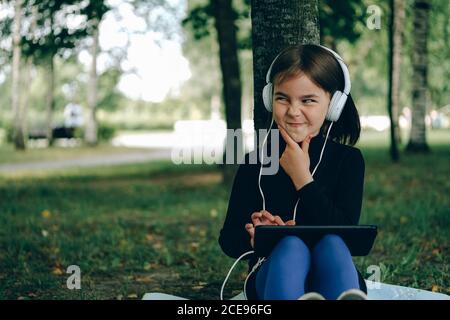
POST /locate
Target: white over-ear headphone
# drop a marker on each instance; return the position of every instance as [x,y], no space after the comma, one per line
[338,100]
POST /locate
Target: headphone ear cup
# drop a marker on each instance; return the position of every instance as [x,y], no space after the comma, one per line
[340,105]
[267,96]
[333,108]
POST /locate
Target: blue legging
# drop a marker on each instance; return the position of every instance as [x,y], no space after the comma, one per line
[292,269]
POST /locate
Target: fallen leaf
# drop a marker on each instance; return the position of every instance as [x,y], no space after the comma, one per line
[144,279]
[197,287]
[192,229]
[58,271]
[151,266]
[194,246]
[435,252]
[46,214]
[435,288]
[132,296]
[213,213]
[157,245]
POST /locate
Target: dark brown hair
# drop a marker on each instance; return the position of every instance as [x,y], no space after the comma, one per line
[322,68]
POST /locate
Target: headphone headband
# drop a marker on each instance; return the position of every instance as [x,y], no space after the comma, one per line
[347,85]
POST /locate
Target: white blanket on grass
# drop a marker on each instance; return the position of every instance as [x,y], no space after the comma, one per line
[375,291]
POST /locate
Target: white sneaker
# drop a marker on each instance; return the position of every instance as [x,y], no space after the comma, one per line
[352,294]
[311,296]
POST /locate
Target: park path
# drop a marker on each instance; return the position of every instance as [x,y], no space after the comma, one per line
[89,161]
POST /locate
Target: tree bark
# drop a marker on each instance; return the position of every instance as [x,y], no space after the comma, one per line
[18,132]
[50,99]
[399,21]
[395,46]
[26,97]
[417,140]
[232,88]
[27,80]
[275,25]
[91,124]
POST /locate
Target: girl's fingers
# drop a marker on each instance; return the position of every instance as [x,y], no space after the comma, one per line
[279,221]
[250,229]
[287,137]
[275,220]
[257,222]
[256,215]
[264,217]
[256,218]
[305,144]
[266,214]
[290,223]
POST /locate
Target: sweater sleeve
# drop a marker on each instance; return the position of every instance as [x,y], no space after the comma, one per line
[319,209]
[234,239]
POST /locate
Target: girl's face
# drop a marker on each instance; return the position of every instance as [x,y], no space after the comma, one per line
[300,106]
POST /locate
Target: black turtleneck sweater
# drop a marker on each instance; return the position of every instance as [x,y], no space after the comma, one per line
[333,198]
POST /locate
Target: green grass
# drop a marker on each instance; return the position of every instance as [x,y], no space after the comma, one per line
[153,227]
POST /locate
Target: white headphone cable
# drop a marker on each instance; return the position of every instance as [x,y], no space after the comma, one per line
[262,162]
[314,171]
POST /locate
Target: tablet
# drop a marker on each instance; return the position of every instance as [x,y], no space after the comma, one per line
[359,239]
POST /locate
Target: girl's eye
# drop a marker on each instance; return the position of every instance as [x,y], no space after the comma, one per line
[281,99]
[308,101]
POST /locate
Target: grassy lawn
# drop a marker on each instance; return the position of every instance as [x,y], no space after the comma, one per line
[153,227]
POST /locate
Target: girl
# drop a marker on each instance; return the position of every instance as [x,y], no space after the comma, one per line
[308,94]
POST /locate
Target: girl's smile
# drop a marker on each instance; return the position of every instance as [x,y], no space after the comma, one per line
[300,106]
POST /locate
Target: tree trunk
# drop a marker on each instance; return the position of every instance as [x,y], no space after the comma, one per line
[275,25]
[91,124]
[26,97]
[395,46]
[27,79]
[417,140]
[226,31]
[50,100]
[399,9]
[18,134]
